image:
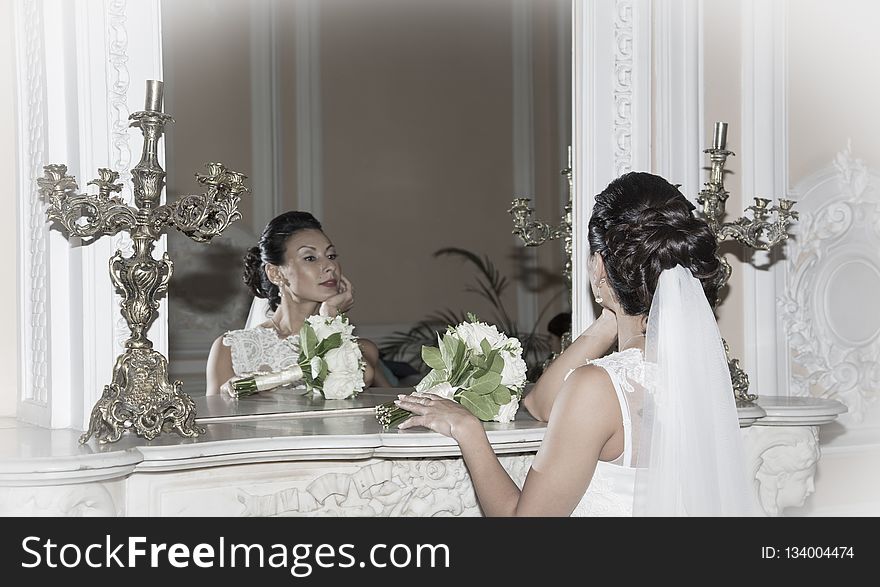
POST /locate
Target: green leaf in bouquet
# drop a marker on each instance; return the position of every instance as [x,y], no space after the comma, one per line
[307,374]
[334,341]
[495,362]
[501,395]
[433,358]
[485,384]
[308,340]
[321,373]
[472,318]
[460,352]
[485,347]
[447,346]
[431,379]
[463,371]
[480,406]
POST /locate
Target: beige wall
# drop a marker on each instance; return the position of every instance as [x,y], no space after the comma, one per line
[833,83]
[417,116]
[8,220]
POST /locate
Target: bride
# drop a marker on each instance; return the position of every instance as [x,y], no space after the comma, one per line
[296,268]
[650,429]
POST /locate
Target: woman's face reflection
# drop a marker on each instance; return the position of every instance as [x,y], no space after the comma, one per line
[310,267]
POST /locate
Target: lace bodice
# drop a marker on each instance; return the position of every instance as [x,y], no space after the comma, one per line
[259,349]
[612,487]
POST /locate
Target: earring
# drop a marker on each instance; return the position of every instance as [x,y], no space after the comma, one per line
[598,297]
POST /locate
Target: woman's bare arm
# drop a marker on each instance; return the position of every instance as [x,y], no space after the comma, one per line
[219,369]
[564,465]
[592,344]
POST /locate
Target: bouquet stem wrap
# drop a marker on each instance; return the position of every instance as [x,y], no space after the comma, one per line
[265,381]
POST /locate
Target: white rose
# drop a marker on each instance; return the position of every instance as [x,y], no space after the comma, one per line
[507,411]
[442,389]
[513,375]
[472,333]
[343,384]
[346,358]
[325,327]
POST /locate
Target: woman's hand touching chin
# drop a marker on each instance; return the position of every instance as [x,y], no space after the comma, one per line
[340,302]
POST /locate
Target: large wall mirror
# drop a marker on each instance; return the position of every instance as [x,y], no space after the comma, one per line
[404,126]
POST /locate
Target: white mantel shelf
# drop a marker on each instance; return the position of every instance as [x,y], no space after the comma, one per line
[293,442]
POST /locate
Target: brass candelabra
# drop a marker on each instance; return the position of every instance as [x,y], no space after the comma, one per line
[140,398]
[758,232]
[534,233]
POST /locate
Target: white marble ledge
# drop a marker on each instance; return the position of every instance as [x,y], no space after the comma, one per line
[798,411]
[35,456]
[32,456]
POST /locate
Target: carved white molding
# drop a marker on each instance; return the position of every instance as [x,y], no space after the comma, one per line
[374,487]
[32,273]
[623,90]
[611,95]
[832,274]
[782,460]
[64,500]
[118,85]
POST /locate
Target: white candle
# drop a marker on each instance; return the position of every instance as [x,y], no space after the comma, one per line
[154,95]
[719,139]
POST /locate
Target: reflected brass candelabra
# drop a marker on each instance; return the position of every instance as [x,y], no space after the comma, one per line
[140,398]
[759,232]
[534,233]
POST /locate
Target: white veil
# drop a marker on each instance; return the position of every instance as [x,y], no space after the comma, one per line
[258,313]
[691,459]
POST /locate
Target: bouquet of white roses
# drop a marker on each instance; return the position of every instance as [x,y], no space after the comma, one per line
[330,362]
[475,365]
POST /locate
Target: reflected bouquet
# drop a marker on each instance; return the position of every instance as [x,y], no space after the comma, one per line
[330,362]
[475,365]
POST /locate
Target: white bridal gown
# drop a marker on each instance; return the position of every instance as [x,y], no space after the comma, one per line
[612,488]
[259,350]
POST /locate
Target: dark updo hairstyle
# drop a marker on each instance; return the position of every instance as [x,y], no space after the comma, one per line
[641,225]
[273,243]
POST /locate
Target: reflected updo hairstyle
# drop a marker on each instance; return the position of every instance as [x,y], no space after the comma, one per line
[641,224]
[273,243]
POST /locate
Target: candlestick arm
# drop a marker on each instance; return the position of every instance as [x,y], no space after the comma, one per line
[204,216]
[83,215]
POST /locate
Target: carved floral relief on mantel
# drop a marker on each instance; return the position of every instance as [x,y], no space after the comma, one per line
[831,280]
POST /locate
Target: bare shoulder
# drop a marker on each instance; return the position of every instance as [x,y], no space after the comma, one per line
[219,349]
[587,390]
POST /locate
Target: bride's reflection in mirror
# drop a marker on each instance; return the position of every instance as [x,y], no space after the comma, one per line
[404,126]
[296,268]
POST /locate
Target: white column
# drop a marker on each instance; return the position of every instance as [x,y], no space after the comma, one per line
[524,152]
[267,159]
[309,143]
[678,91]
[764,164]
